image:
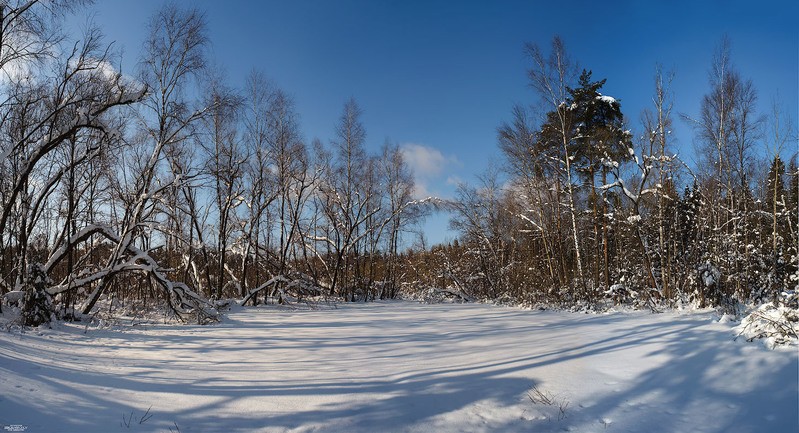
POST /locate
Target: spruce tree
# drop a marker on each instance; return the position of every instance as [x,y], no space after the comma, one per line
[793,190]
[599,136]
[600,143]
[775,200]
[792,236]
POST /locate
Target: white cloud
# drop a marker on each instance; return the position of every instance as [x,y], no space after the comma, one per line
[430,169]
[425,161]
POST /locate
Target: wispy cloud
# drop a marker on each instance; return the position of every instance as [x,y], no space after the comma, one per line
[431,168]
[454,180]
[426,161]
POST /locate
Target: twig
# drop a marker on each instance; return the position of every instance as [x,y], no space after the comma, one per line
[546,398]
[562,409]
[126,422]
[541,397]
[147,415]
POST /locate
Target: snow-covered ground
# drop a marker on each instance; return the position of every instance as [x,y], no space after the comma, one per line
[400,366]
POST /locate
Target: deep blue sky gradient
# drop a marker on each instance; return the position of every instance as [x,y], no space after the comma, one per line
[445,74]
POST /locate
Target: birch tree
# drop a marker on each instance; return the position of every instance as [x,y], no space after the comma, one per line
[726,128]
[657,124]
[261,190]
[550,75]
[174,52]
[532,165]
[345,205]
[398,194]
[224,155]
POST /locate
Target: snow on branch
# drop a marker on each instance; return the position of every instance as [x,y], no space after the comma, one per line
[135,260]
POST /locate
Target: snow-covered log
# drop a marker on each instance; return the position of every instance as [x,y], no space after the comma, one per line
[280,284]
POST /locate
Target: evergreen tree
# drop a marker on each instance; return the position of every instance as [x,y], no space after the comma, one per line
[792,237]
[775,199]
[600,143]
[793,190]
[689,233]
[599,136]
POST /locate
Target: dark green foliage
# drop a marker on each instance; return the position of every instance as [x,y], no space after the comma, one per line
[775,185]
[597,123]
[37,306]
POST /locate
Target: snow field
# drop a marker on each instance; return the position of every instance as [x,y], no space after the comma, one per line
[400,367]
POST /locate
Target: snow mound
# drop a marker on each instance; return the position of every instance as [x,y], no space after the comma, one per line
[777,325]
[606,99]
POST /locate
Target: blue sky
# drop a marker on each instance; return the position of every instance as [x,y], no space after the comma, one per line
[439,76]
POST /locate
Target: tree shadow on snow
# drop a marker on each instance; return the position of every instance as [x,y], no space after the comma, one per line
[411,397]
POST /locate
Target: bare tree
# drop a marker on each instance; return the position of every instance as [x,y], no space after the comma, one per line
[54,122]
[345,205]
[727,127]
[657,125]
[550,75]
[530,164]
[487,232]
[224,155]
[282,183]
[173,54]
[291,167]
[398,187]
[260,182]
[30,34]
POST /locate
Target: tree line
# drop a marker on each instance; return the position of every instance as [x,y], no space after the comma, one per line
[585,212]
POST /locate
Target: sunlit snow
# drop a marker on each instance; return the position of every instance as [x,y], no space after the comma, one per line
[399,366]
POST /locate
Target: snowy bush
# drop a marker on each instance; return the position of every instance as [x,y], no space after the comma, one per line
[435,295]
[619,294]
[776,322]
